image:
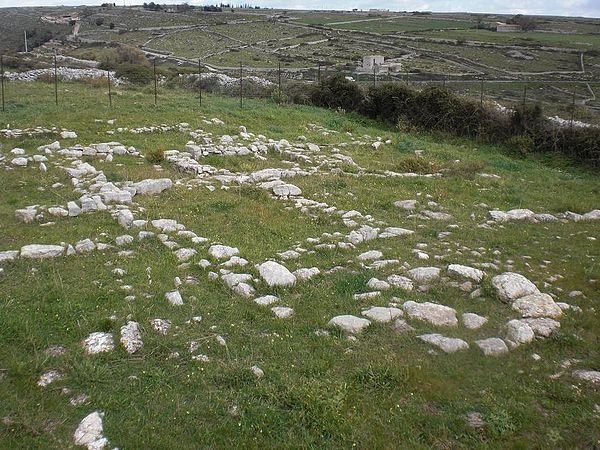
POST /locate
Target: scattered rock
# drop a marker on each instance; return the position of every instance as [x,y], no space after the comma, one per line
[276,274]
[350,324]
[446,344]
[492,346]
[434,313]
[511,286]
[131,337]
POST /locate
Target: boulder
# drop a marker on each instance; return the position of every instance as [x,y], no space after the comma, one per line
[473,321]
[276,274]
[510,286]
[518,333]
[537,305]
[434,313]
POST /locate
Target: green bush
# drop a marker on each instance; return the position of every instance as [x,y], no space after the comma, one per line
[338,92]
[522,143]
[135,74]
[156,156]
[388,102]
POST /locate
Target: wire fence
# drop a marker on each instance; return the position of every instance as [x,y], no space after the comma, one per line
[570,100]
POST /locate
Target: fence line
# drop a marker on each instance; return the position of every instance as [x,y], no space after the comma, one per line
[491,89]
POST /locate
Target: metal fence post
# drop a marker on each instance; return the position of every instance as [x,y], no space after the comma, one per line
[2,79]
[109,91]
[481,94]
[55,81]
[524,95]
[374,75]
[319,73]
[279,83]
[573,109]
[241,85]
[200,80]
[155,85]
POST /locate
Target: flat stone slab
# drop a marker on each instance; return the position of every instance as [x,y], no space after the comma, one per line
[446,344]
[466,272]
[350,324]
[492,346]
[382,314]
[434,313]
[424,274]
[41,251]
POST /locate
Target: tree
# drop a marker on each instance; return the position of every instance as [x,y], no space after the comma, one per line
[526,23]
[99,21]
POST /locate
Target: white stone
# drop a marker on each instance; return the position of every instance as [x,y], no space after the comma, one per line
[378,285]
[152,186]
[282,312]
[98,342]
[424,274]
[20,161]
[131,338]
[492,346]
[9,255]
[266,300]
[592,376]
[406,204]
[257,371]
[370,255]
[518,333]
[434,313]
[174,298]
[473,321]
[400,282]
[466,272]
[125,218]
[275,274]
[41,251]
[510,286]
[185,254]
[223,251]
[286,190]
[537,305]
[304,274]
[26,215]
[89,432]
[85,246]
[349,324]
[542,326]
[446,344]
[382,314]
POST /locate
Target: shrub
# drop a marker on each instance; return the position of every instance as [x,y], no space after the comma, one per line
[522,143]
[388,102]
[131,55]
[156,156]
[135,74]
[338,92]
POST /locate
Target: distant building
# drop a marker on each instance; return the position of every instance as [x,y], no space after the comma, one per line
[502,27]
[378,64]
[373,60]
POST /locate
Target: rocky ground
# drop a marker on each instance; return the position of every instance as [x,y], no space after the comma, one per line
[253,245]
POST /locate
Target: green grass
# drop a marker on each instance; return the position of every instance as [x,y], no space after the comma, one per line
[401,25]
[382,391]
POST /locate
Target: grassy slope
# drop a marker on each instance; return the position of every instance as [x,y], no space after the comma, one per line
[387,392]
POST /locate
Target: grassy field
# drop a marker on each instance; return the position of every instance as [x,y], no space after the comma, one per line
[383,390]
[577,41]
[401,25]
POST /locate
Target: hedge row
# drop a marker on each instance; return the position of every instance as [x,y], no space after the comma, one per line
[438,109]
